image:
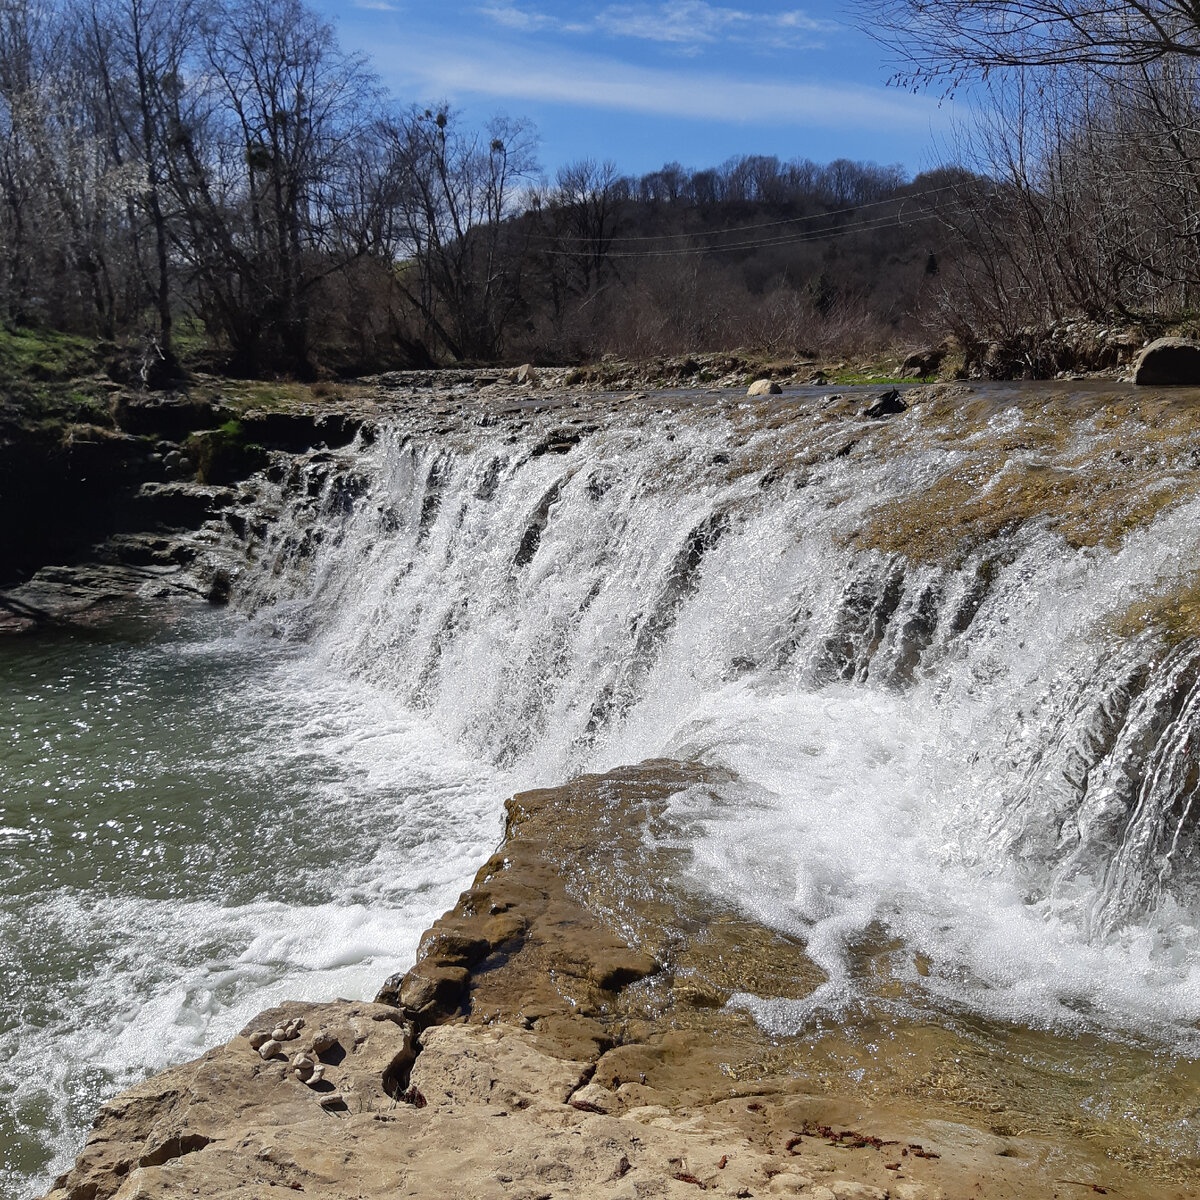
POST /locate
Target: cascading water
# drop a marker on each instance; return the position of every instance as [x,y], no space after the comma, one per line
[946,661]
[969,756]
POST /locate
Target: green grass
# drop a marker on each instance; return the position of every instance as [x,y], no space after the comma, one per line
[41,355]
[852,378]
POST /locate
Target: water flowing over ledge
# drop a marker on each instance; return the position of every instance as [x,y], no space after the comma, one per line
[937,673]
[983,747]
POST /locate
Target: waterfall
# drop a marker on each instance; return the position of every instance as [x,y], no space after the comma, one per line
[974,752]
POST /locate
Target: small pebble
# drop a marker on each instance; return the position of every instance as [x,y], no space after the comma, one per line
[258,1039]
[303,1065]
[331,1100]
[270,1048]
[279,1033]
[316,1077]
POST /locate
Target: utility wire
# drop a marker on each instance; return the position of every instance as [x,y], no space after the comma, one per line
[826,234]
[836,212]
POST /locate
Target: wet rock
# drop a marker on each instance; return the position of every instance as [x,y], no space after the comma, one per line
[431,993]
[764,387]
[78,595]
[886,405]
[1168,360]
[169,414]
[613,969]
[181,505]
[145,550]
[300,429]
[220,587]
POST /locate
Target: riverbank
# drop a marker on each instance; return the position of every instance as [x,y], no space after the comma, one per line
[566,1032]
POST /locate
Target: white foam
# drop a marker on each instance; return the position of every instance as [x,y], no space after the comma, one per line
[897,779]
[953,784]
[399,821]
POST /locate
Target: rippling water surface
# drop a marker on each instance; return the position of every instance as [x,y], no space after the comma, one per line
[195,823]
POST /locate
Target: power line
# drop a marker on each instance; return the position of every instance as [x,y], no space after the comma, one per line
[826,234]
[836,212]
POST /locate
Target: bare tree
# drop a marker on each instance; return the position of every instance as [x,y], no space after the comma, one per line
[452,192]
[262,170]
[952,40]
[583,211]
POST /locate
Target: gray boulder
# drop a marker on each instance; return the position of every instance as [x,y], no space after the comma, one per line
[886,405]
[1168,360]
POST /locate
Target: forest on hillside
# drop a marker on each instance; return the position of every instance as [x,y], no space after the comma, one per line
[220,178]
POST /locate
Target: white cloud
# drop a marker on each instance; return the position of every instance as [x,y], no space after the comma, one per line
[376,6]
[519,19]
[684,24]
[453,67]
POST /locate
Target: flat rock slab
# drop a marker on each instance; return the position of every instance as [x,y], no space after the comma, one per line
[485,1115]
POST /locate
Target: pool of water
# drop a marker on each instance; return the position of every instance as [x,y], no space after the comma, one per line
[196,822]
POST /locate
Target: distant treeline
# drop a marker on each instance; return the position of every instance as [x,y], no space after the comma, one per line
[219,175]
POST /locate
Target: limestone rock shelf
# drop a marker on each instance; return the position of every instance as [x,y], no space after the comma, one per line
[564,1033]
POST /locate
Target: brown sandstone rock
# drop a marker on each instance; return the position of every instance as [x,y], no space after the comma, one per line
[529,1078]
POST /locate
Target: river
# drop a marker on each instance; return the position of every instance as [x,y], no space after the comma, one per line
[946,659]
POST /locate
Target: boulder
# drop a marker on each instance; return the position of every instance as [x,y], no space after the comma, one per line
[886,405]
[923,363]
[764,387]
[1168,360]
[526,375]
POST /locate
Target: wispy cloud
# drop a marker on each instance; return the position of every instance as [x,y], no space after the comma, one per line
[453,67]
[519,19]
[376,6]
[683,24]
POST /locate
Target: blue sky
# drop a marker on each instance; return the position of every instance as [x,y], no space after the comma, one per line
[643,83]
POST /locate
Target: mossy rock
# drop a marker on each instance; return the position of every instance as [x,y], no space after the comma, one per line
[223,455]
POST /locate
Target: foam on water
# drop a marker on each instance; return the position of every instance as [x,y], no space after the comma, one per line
[966,759]
[315,830]
[960,771]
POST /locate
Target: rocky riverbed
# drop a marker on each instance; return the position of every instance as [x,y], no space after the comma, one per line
[589,1019]
[565,1033]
